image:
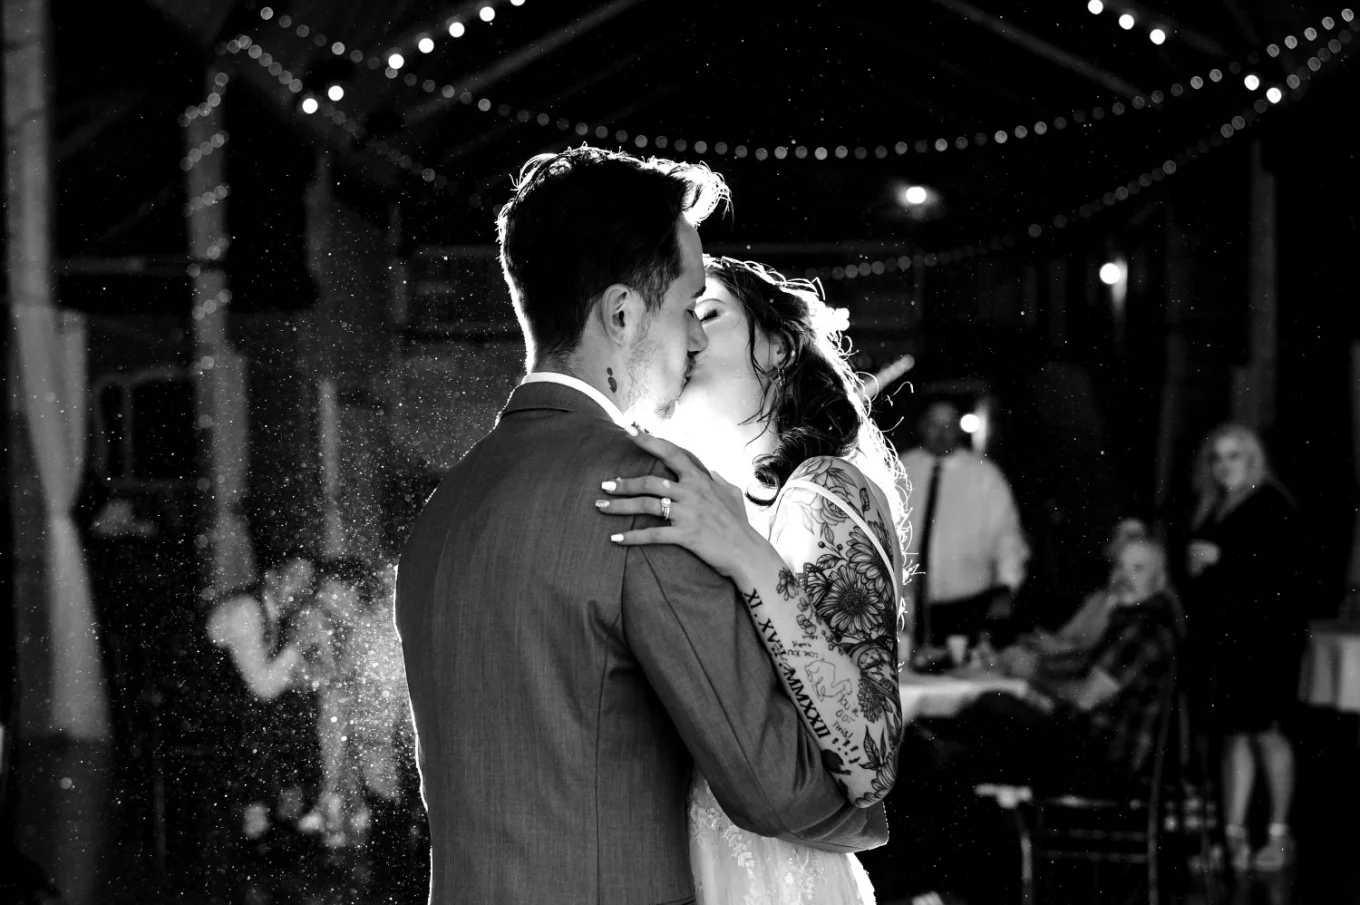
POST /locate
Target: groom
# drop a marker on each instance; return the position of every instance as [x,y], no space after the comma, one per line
[564,687]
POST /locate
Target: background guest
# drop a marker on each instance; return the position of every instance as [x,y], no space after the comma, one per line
[1088,723]
[324,631]
[1085,627]
[381,715]
[1106,699]
[260,719]
[965,531]
[354,663]
[1249,615]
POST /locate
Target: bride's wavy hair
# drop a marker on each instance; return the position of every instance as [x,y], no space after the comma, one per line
[813,401]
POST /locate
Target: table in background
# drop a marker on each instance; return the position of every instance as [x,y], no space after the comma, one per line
[943,696]
[1331,666]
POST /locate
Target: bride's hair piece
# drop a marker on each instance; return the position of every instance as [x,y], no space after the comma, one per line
[813,400]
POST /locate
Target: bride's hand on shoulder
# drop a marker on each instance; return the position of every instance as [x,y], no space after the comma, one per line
[706,515]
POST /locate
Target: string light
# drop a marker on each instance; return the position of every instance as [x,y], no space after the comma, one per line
[207,199]
[760,153]
[205,149]
[1090,208]
[1126,21]
[1096,7]
[335,92]
[310,105]
[209,306]
[423,42]
[1157,36]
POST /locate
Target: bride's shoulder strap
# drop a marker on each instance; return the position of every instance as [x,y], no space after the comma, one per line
[844,486]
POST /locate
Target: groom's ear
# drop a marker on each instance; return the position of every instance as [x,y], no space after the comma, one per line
[620,311]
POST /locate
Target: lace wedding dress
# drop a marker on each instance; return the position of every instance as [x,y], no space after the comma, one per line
[733,866]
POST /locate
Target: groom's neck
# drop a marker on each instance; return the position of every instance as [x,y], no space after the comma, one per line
[587,367]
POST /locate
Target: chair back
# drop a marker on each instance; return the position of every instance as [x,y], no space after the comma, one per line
[1169,719]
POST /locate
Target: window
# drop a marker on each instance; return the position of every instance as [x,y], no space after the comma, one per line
[145,432]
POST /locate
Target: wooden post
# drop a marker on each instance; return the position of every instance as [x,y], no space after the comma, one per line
[1177,367]
[1254,384]
[219,374]
[1353,569]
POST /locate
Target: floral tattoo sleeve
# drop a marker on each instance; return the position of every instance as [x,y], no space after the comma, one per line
[832,625]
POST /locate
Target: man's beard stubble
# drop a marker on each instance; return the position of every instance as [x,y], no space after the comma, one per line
[660,411]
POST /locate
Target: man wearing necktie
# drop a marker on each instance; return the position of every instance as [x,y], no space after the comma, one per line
[965,533]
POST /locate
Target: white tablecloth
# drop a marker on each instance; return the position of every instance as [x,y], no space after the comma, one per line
[1331,666]
[944,696]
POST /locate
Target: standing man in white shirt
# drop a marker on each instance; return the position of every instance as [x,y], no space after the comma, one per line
[965,532]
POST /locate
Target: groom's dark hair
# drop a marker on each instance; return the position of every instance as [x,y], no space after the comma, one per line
[585,219]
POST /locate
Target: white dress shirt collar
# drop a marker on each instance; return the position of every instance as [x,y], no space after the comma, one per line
[575,383]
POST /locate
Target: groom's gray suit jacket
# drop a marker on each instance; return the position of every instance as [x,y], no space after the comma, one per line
[563,687]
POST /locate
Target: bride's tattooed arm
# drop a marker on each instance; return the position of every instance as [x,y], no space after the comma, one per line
[829,620]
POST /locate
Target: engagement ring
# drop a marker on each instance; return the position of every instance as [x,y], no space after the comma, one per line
[666,508]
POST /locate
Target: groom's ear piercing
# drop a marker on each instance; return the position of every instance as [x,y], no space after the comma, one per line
[613,384]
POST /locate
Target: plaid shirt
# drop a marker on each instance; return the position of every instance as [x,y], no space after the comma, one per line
[1137,651]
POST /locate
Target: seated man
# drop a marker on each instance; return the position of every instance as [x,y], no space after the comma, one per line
[1087,624]
[1088,725]
[1090,721]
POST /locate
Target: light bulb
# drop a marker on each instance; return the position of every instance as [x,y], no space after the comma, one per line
[1157,36]
[970,423]
[1111,273]
[1126,21]
[425,44]
[1274,95]
[309,105]
[396,61]
[1096,7]
[487,13]
[335,93]
[456,29]
[1252,82]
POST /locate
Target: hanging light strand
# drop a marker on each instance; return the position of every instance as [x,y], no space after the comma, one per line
[393,60]
[779,151]
[216,141]
[332,113]
[908,258]
[395,155]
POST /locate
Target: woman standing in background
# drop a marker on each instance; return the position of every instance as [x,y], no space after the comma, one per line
[1248,623]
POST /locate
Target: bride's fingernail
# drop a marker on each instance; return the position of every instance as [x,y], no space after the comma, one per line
[616,538]
[601,504]
[608,486]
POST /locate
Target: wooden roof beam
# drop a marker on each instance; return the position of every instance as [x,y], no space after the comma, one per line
[1039,47]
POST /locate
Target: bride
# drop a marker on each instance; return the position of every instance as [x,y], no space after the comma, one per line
[772,406]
